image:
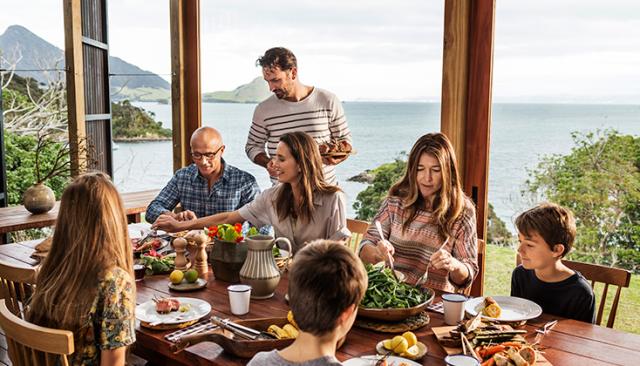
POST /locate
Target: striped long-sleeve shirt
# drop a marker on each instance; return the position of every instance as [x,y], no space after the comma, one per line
[414,246]
[320,115]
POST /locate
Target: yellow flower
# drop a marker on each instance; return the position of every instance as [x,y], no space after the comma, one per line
[108,276]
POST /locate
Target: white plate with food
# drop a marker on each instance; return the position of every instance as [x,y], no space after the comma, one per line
[141,229]
[186,309]
[371,360]
[509,308]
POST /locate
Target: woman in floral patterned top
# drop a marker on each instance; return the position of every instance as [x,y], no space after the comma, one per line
[85,284]
[427,221]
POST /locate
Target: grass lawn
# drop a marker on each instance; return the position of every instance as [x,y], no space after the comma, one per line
[497,281]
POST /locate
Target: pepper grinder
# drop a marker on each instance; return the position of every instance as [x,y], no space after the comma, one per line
[181,261]
[201,257]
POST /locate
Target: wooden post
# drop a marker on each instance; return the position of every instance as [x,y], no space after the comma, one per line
[186,100]
[478,126]
[75,84]
[455,59]
[466,100]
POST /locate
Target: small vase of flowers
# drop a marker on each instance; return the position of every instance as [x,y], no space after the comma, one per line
[229,250]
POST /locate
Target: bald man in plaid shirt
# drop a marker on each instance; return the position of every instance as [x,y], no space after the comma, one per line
[206,187]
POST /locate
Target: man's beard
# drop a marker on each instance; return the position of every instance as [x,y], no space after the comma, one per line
[280,93]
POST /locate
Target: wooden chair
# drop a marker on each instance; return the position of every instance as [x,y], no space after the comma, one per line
[16,285]
[30,344]
[358,228]
[477,287]
[606,275]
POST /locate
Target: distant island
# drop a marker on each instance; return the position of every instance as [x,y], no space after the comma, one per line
[131,123]
[254,92]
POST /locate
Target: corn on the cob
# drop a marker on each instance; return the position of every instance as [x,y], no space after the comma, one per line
[291,320]
[278,332]
[293,332]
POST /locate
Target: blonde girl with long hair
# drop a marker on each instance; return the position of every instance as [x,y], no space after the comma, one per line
[86,282]
[428,222]
[302,207]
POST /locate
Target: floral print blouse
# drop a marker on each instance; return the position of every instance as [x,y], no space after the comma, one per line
[111,321]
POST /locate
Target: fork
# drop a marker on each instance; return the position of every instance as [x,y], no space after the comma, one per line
[425,276]
[542,331]
[383,359]
[151,233]
[172,319]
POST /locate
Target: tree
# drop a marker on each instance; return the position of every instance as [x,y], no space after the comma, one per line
[29,109]
[368,201]
[131,122]
[497,231]
[599,180]
[20,162]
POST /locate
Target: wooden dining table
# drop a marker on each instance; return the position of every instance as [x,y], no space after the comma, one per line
[17,218]
[570,342]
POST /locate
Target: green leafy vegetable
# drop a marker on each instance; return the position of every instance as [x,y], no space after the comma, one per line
[158,265]
[385,291]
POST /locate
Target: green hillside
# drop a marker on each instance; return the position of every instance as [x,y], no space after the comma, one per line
[254,92]
[142,94]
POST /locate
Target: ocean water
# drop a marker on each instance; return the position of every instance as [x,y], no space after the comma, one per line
[520,135]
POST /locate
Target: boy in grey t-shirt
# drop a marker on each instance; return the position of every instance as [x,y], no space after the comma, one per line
[273,358]
[326,276]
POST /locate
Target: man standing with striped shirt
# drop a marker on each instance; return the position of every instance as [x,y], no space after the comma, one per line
[294,107]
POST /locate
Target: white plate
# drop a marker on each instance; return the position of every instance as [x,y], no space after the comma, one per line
[513,308]
[140,229]
[371,361]
[146,311]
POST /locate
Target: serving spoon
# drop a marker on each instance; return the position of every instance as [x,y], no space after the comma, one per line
[391,260]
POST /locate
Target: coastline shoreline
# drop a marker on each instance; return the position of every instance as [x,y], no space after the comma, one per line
[141,139]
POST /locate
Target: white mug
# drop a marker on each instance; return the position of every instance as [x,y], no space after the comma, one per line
[453,308]
[239,299]
[461,360]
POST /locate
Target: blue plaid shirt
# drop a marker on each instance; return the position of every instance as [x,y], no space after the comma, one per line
[233,190]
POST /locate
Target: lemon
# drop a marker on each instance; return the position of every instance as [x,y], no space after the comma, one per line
[176,277]
[191,275]
[399,344]
[492,311]
[411,338]
[411,352]
[387,344]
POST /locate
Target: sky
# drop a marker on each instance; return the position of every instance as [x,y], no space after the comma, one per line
[545,51]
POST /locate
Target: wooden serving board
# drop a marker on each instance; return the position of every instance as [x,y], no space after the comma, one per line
[441,332]
[237,346]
